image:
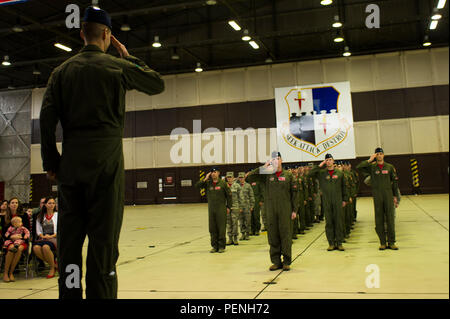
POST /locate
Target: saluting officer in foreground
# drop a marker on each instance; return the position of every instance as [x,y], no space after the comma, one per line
[87,95]
[384,182]
[280,202]
[219,204]
[334,199]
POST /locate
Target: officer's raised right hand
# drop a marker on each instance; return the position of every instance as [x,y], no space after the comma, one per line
[207,176]
[372,157]
[121,49]
[323,163]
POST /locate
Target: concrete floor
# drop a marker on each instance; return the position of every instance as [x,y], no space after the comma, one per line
[165,254]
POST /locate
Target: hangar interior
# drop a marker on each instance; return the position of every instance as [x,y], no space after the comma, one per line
[400,101]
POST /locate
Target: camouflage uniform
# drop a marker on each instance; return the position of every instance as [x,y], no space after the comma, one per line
[316,199]
[356,180]
[233,216]
[302,195]
[248,201]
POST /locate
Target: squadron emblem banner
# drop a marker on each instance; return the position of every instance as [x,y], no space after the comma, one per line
[314,120]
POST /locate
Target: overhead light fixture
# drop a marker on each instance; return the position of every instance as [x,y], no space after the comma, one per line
[17,28]
[347,52]
[125,27]
[175,55]
[337,23]
[234,25]
[95,5]
[254,45]
[436,16]
[433,24]
[36,70]
[6,61]
[11,87]
[156,43]
[426,41]
[246,37]
[269,60]
[338,38]
[211,2]
[326,2]
[441,4]
[62,47]
[198,69]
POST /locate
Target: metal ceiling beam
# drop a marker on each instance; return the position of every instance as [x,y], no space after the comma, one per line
[142,11]
[33,21]
[218,41]
[185,5]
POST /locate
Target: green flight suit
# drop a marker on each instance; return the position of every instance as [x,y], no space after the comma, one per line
[356,180]
[87,95]
[301,195]
[263,211]
[384,182]
[280,200]
[307,188]
[333,194]
[348,209]
[256,214]
[312,191]
[299,222]
[219,199]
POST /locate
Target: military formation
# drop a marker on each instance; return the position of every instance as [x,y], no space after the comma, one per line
[291,199]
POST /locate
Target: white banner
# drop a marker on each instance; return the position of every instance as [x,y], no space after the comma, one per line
[315,120]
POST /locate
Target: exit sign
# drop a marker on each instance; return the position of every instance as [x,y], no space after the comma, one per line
[6,2]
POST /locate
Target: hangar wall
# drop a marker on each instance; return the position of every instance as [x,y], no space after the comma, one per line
[15,141]
[400,102]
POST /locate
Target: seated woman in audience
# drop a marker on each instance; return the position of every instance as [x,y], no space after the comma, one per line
[12,258]
[46,226]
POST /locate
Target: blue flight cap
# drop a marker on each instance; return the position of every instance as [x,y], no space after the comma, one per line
[95,14]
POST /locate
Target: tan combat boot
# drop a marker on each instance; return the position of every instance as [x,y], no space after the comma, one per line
[274,267]
[392,246]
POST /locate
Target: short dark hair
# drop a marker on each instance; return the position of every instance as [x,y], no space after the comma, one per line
[93,31]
